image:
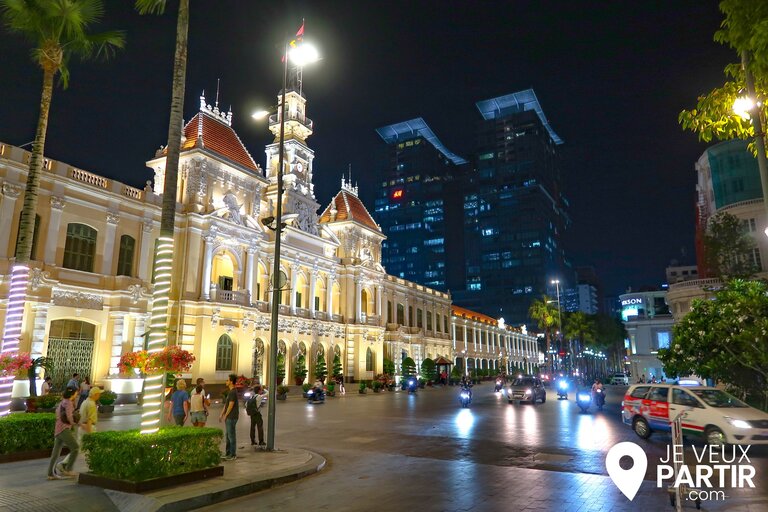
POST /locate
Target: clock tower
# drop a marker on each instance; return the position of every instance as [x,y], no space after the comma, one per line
[299,204]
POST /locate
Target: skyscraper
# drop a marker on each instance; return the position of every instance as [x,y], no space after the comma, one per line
[417,203]
[514,210]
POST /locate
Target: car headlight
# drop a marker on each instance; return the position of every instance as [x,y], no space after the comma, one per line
[738,423]
[527,391]
[563,385]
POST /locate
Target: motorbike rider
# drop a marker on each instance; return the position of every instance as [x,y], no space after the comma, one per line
[317,389]
[466,385]
[598,396]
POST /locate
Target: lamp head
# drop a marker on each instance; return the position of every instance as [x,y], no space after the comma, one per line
[260,114]
[303,54]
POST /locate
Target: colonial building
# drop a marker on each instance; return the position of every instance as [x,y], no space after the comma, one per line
[89,294]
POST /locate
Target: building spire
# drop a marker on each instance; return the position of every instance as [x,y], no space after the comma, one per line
[218,82]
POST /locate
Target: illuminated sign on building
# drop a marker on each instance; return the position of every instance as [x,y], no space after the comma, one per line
[632,301]
[397,194]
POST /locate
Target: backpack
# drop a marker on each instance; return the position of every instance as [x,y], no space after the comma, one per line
[251,406]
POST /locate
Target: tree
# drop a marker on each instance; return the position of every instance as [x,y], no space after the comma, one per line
[725,339]
[728,247]
[58,31]
[580,327]
[389,366]
[338,369]
[163,265]
[745,29]
[300,369]
[280,370]
[428,370]
[544,312]
[409,367]
[321,369]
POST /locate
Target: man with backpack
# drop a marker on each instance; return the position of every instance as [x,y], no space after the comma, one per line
[253,409]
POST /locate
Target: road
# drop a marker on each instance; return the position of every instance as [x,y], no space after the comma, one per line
[397,450]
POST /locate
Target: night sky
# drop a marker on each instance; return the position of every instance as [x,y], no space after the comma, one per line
[610,76]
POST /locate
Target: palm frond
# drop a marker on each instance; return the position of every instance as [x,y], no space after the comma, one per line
[151,6]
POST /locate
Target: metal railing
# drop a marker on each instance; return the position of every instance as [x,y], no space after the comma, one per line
[235,297]
[292,116]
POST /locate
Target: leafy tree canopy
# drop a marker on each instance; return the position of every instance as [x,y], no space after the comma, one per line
[725,339]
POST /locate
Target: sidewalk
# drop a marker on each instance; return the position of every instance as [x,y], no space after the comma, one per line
[24,487]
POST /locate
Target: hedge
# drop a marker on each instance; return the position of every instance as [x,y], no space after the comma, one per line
[128,455]
[27,432]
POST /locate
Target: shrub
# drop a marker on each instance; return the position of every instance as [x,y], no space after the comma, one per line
[108,397]
[456,373]
[428,370]
[331,386]
[27,432]
[281,390]
[48,401]
[362,386]
[377,385]
[280,371]
[338,369]
[389,366]
[409,367]
[128,455]
[305,387]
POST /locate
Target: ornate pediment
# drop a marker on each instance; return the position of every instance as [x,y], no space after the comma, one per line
[78,300]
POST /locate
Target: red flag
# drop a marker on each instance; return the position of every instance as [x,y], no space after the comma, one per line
[300,33]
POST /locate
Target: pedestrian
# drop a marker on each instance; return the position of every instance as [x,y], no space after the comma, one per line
[253,409]
[46,387]
[63,435]
[229,416]
[198,406]
[179,404]
[74,382]
[85,388]
[89,411]
[340,382]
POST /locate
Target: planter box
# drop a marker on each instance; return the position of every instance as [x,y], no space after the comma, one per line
[149,485]
[29,455]
[106,408]
[281,397]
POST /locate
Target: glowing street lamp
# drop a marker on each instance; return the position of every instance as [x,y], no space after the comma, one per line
[300,55]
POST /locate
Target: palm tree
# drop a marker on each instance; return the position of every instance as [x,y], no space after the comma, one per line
[544,312]
[581,327]
[163,267]
[58,31]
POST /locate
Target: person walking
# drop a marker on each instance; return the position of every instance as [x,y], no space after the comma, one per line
[89,411]
[253,410]
[229,416]
[179,404]
[74,382]
[198,406]
[63,435]
[85,389]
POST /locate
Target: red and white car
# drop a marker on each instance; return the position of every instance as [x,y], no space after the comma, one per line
[709,412]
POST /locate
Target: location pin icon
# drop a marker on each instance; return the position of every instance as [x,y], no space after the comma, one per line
[627,480]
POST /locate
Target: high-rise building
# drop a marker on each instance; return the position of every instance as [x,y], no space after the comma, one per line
[514,210]
[417,204]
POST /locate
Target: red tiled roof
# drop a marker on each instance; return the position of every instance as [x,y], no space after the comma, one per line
[349,207]
[473,315]
[205,132]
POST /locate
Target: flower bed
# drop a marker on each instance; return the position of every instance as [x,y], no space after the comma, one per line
[25,436]
[130,456]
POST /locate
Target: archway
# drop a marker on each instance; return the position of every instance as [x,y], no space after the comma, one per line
[257,365]
[223,270]
[302,291]
[70,347]
[262,285]
[320,295]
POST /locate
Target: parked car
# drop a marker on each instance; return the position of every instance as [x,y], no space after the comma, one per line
[710,413]
[619,378]
[526,389]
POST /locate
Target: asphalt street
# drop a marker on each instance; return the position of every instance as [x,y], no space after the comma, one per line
[424,450]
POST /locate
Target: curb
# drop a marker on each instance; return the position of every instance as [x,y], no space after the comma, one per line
[210,492]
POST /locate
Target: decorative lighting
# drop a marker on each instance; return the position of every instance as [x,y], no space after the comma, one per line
[153,385]
[14,316]
[742,106]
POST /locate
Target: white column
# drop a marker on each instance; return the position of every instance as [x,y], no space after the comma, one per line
[407,313]
[474,338]
[249,273]
[38,332]
[453,335]
[138,331]
[11,193]
[205,278]
[312,285]
[379,308]
[52,239]
[118,337]
[147,251]
[358,301]
[329,295]
[465,335]
[109,243]
[294,274]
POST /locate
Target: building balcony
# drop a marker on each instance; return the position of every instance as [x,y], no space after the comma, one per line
[291,116]
[240,297]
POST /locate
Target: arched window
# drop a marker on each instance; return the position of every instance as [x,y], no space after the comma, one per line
[224,354]
[80,248]
[369,360]
[125,258]
[35,232]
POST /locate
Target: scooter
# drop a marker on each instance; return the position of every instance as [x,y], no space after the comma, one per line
[584,400]
[499,385]
[599,398]
[562,389]
[412,385]
[315,396]
[465,397]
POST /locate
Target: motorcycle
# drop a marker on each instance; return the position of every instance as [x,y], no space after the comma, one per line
[599,398]
[499,385]
[315,396]
[465,397]
[412,385]
[584,400]
[562,389]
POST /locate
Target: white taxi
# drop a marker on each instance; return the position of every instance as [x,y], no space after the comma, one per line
[709,412]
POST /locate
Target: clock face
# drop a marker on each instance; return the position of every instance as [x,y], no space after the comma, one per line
[299,167]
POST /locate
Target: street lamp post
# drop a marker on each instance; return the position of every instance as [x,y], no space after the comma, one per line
[556,282]
[757,125]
